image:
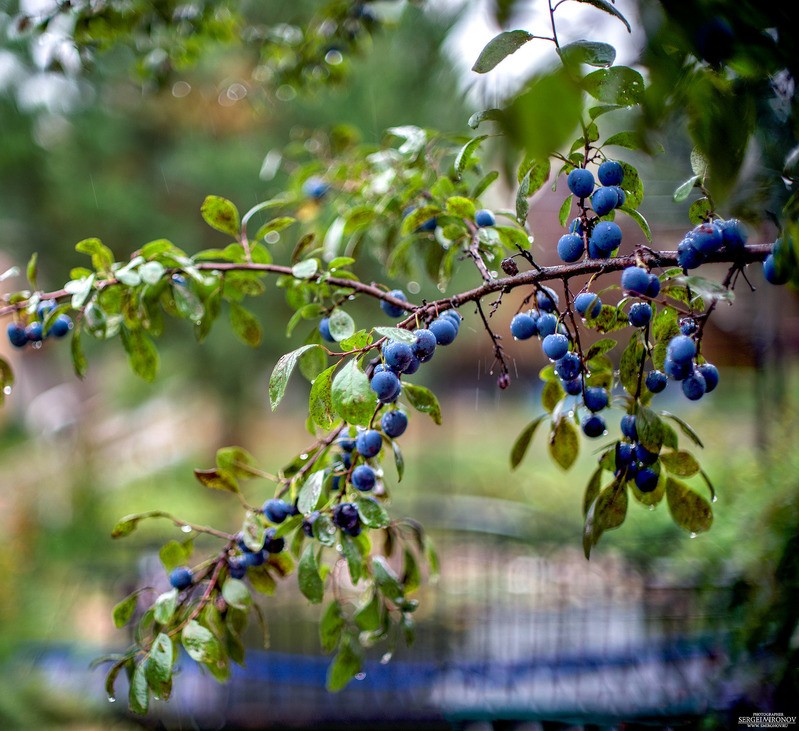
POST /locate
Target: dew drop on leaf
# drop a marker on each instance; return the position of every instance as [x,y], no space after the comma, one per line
[359,676]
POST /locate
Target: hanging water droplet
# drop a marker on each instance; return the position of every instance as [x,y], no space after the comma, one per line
[339,547]
[360,676]
[7,392]
[651,507]
[414,287]
[111,699]
[693,535]
[304,456]
[386,658]
[186,528]
[712,500]
[37,345]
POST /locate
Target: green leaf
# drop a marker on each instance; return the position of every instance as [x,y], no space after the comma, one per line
[522,443]
[633,186]
[689,510]
[373,514]
[499,48]
[353,399]
[565,210]
[253,530]
[592,489]
[237,461]
[700,211]
[261,579]
[158,667]
[368,616]
[682,464]
[465,156]
[387,580]
[217,479]
[649,428]
[551,395]
[245,325]
[631,363]
[486,114]
[172,555]
[80,289]
[707,289]
[461,207]
[123,611]
[684,427]
[79,363]
[139,693]
[310,582]
[102,256]
[126,526]
[640,220]
[351,551]
[330,626]
[346,664]
[164,606]
[608,8]
[200,643]
[142,353]
[564,443]
[342,326]
[151,272]
[423,400]
[281,373]
[396,333]
[358,340]
[399,462]
[608,511]
[484,183]
[417,217]
[221,214]
[276,224]
[709,485]
[684,189]
[236,594]
[320,402]
[411,577]
[617,85]
[306,269]
[591,52]
[310,492]
[33,270]
[630,140]
[604,345]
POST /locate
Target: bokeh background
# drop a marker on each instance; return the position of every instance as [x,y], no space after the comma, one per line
[520,629]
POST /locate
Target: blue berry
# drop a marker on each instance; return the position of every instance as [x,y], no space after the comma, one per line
[711,375]
[412,367]
[571,247]
[707,238]
[773,273]
[273,544]
[34,332]
[44,308]
[628,427]
[523,326]
[580,182]
[610,172]
[181,578]
[688,257]
[453,317]
[346,444]
[593,425]
[369,443]
[386,385]
[573,387]
[307,523]
[606,237]
[324,330]
[677,371]
[588,304]
[569,366]
[547,299]
[656,381]
[688,326]
[635,279]
[595,398]
[643,455]
[443,330]
[397,355]
[576,227]
[555,346]
[61,326]
[254,558]
[314,187]
[393,310]
[237,567]
[363,478]
[17,335]
[694,386]
[620,195]
[646,480]
[625,454]
[681,349]
[394,423]
[345,516]
[276,510]
[604,200]
[653,290]
[546,324]
[640,314]
[733,234]
[484,218]
[424,345]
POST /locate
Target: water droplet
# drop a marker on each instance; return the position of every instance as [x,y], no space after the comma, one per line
[651,507]
[7,392]
[272,237]
[181,89]
[286,93]
[712,500]
[693,535]
[333,57]
[111,699]
[386,658]
[186,528]
[360,676]
[494,274]
[37,345]
[303,456]
[441,287]
[339,547]
[414,287]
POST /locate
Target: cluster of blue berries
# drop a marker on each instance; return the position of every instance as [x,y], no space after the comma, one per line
[20,335]
[633,460]
[604,237]
[697,380]
[708,238]
[638,281]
